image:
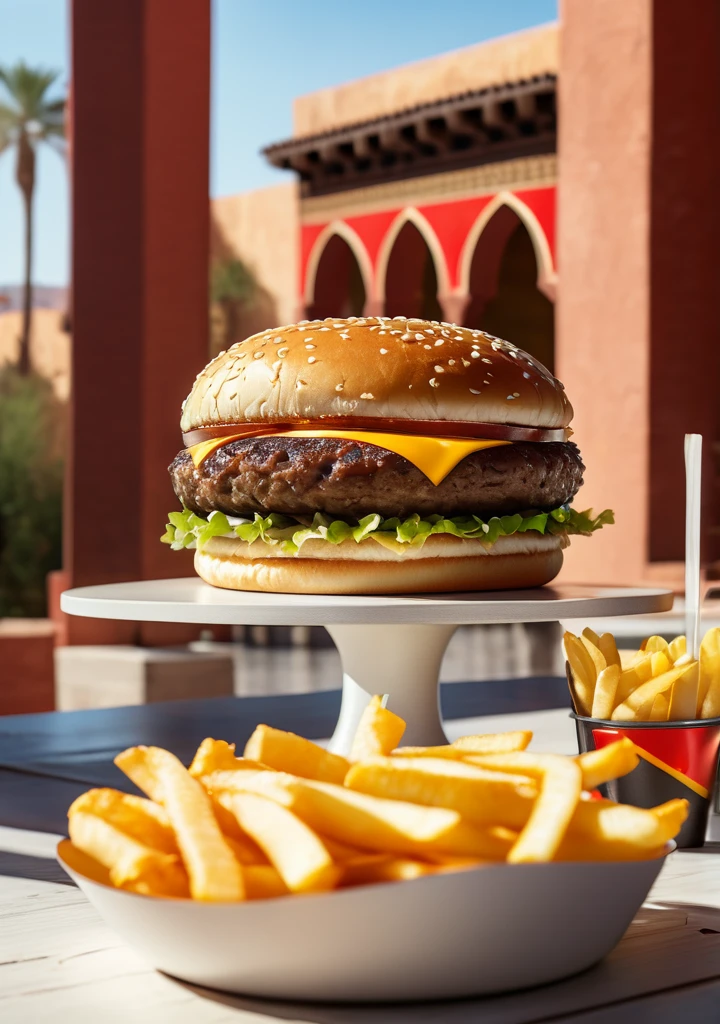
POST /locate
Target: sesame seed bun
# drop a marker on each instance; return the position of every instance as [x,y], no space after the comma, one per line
[442,565]
[374,369]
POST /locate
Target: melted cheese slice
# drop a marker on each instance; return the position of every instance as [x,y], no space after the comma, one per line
[433,456]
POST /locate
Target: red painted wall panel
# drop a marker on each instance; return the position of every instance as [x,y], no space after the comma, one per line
[451,221]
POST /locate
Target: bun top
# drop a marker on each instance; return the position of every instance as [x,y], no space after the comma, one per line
[375,368]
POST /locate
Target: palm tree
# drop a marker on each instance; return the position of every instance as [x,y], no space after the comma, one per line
[28,119]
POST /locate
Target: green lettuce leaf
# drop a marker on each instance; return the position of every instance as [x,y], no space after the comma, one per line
[185,529]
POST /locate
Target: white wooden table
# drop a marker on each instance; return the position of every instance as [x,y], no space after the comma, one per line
[60,963]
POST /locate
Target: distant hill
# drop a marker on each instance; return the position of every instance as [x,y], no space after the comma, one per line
[44,297]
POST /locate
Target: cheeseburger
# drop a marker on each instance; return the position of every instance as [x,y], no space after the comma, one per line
[376,455]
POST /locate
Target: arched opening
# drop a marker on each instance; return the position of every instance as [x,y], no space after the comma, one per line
[505,298]
[411,281]
[339,288]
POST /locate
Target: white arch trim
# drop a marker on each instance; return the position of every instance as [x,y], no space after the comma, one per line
[547,275]
[337,227]
[412,216]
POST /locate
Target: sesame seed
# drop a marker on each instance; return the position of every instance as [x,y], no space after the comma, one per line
[338,387]
[282,352]
[339,327]
[433,383]
[516,394]
[526,375]
[451,362]
[474,392]
[419,337]
[277,341]
[311,346]
[396,332]
[324,328]
[258,355]
[300,384]
[438,369]
[475,355]
[407,337]
[465,362]
[510,398]
[382,332]
[485,528]
[312,359]
[427,346]
[488,361]
[439,342]
[303,322]
[486,382]
[383,351]
[367,394]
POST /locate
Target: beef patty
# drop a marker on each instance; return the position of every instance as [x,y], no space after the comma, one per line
[349,479]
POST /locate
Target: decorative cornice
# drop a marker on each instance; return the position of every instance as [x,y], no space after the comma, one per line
[523,172]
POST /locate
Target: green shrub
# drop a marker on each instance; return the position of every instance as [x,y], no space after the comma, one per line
[32,444]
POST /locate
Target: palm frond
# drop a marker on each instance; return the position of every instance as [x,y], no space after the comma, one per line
[28,87]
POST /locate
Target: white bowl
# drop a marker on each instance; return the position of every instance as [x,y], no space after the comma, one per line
[466,933]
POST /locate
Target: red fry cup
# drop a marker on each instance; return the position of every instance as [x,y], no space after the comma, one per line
[677,759]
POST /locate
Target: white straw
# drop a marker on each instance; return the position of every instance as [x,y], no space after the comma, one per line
[693,477]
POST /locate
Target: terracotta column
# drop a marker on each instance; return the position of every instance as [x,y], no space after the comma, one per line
[638,224]
[140,131]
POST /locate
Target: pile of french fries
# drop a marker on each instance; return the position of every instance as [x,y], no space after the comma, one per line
[290,817]
[659,683]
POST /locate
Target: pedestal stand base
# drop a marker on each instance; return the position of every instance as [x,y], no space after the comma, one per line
[400,661]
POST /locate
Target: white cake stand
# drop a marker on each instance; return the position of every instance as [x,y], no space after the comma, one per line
[389,645]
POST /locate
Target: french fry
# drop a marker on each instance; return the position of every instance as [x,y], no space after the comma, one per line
[684,695]
[372,869]
[379,731]
[246,850]
[605,690]
[606,821]
[596,655]
[660,708]
[709,684]
[214,872]
[629,710]
[552,812]
[656,643]
[137,817]
[468,745]
[592,636]
[84,863]
[660,663]
[633,677]
[609,649]
[369,822]
[482,797]
[287,752]
[132,865]
[494,743]
[262,882]
[677,648]
[340,852]
[217,755]
[576,847]
[583,671]
[292,848]
[606,763]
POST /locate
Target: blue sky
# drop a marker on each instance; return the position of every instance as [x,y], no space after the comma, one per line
[265,52]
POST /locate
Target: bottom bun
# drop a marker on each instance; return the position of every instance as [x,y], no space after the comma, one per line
[430,575]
